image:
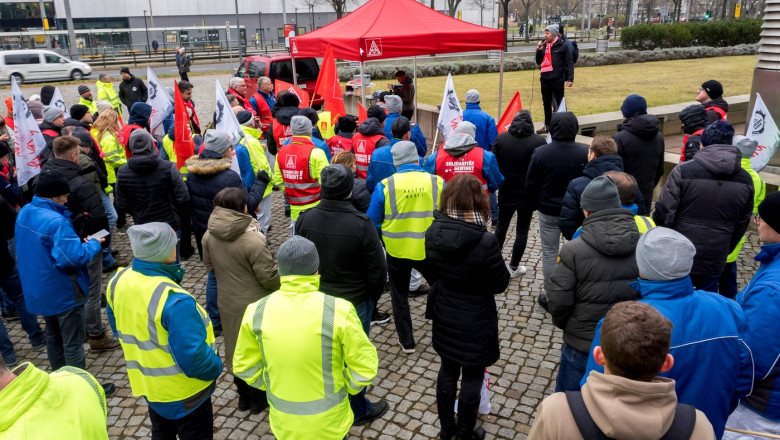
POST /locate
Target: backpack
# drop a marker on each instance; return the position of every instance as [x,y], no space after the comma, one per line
[681,428]
[575,50]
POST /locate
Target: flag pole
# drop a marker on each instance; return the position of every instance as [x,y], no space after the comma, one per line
[415,89]
[362,84]
[500,81]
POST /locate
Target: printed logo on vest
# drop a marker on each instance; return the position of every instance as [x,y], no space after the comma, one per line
[290,161]
[361,146]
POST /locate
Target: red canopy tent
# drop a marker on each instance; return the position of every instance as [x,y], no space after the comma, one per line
[397,28]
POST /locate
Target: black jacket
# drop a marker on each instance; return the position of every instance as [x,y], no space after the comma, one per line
[282,116]
[84,202]
[469,270]
[712,115]
[709,200]
[352,261]
[556,164]
[562,61]
[361,198]
[592,274]
[371,127]
[131,91]
[47,152]
[7,223]
[641,145]
[513,150]
[151,190]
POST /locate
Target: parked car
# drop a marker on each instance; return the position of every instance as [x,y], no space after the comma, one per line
[279,66]
[39,65]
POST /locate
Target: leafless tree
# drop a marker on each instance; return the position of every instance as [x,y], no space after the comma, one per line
[526,9]
[310,4]
[452,7]
[482,5]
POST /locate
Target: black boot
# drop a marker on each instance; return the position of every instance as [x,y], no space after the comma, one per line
[259,401]
[445,404]
[467,418]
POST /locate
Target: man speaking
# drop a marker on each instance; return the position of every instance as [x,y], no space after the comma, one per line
[557,67]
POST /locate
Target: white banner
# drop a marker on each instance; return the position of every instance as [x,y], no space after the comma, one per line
[450,113]
[561,108]
[762,129]
[226,121]
[160,100]
[58,101]
[29,140]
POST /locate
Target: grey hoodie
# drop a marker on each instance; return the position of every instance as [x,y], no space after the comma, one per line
[462,141]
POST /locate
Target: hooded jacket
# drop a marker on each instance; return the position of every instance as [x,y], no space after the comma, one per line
[371,127]
[149,188]
[486,125]
[417,136]
[694,119]
[621,408]
[592,274]
[131,91]
[238,253]
[461,143]
[513,150]
[282,116]
[641,145]
[556,164]
[709,200]
[469,271]
[48,153]
[712,115]
[84,201]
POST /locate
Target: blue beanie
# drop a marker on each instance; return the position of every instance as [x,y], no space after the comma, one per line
[717,133]
[633,105]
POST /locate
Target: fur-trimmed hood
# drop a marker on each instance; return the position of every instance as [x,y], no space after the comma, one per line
[206,166]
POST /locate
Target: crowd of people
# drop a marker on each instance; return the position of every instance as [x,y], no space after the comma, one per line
[658,341]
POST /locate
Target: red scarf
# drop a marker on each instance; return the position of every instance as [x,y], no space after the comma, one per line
[547,61]
[193,116]
[244,102]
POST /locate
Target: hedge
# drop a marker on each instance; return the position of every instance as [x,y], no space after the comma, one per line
[710,33]
[512,64]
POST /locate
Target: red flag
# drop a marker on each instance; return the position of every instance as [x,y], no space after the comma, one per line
[362,113]
[303,95]
[183,146]
[329,88]
[515,105]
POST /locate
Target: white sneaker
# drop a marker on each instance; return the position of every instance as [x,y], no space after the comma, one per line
[517,273]
[406,350]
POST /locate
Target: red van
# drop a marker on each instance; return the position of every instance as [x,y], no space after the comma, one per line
[279,66]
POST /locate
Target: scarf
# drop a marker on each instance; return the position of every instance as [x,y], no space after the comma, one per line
[547,61]
[193,116]
[244,102]
[473,217]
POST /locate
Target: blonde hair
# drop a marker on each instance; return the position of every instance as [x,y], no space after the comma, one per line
[346,158]
[107,122]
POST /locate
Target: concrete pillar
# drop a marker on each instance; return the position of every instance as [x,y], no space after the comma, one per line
[766,74]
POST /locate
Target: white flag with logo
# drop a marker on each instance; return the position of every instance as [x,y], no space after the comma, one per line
[762,129]
[59,102]
[561,108]
[29,140]
[160,100]
[225,120]
[450,113]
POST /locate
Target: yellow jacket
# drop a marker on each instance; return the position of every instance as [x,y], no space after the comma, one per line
[106,92]
[90,104]
[257,154]
[115,155]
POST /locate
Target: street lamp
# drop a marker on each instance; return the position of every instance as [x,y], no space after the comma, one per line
[146,26]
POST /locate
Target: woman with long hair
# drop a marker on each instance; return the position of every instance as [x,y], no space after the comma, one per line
[360,198]
[105,130]
[470,270]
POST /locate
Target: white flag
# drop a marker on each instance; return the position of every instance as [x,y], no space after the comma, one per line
[226,121]
[59,102]
[29,140]
[561,108]
[762,129]
[160,100]
[450,113]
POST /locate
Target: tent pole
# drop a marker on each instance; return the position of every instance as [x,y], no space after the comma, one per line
[415,89]
[295,75]
[362,85]
[500,81]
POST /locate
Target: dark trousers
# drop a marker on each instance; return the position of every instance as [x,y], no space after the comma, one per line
[65,335]
[524,216]
[400,270]
[184,76]
[407,114]
[186,249]
[728,281]
[468,403]
[197,425]
[552,90]
[708,283]
[247,392]
[121,221]
[571,370]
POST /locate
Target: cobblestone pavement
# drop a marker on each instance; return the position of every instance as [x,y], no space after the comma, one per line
[522,377]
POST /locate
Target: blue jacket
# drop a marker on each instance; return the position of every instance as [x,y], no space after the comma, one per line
[417,136]
[381,166]
[245,166]
[759,301]
[319,143]
[712,362]
[486,125]
[52,259]
[269,99]
[490,170]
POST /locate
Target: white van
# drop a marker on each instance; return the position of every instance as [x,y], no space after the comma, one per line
[39,65]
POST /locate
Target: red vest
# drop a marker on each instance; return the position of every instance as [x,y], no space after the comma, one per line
[723,115]
[263,112]
[363,147]
[124,137]
[300,188]
[685,142]
[448,166]
[281,133]
[339,143]
[51,133]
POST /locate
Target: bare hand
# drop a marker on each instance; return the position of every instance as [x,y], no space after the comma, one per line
[539,45]
[14,173]
[4,137]
[99,240]
[569,83]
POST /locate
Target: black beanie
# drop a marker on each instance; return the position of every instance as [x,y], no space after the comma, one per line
[290,99]
[713,88]
[47,93]
[769,211]
[84,137]
[377,112]
[400,127]
[78,111]
[311,115]
[51,184]
[347,124]
[336,182]
[124,70]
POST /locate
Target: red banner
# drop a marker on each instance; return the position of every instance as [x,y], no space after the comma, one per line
[329,88]
[362,113]
[183,145]
[303,95]
[515,105]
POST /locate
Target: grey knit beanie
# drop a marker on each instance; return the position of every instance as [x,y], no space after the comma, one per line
[300,125]
[663,254]
[393,103]
[600,194]
[746,145]
[217,141]
[336,182]
[152,242]
[297,256]
[50,113]
[472,97]
[404,152]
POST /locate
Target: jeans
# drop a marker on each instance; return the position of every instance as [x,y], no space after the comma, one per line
[6,346]
[524,216]
[264,217]
[65,335]
[400,270]
[197,425]
[108,259]
[358,402]
[95,325]
[727,283]
[121,219]
[552,90]
[746,419]
[468,403]
[708,283]
[12,286]
[211,300]
[550,235]
[493,207]
[571,370]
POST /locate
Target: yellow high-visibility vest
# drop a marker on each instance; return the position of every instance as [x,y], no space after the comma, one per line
[410,199]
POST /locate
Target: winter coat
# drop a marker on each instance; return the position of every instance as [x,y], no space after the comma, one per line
[592,274]
[131,91]
[7,222]
[237,252]
[371,127]
[486,126]
[620,408]
[47,152]
[709,200]
[469,270]
[88,171]
[641,145]
[417,136]
[381,166]
[713,365]
[151,190]
[361,198]
[282,116]
[458,145]
[712,115]
[562,61]
[556,164]
[84,201]
[183,62]
[352,262]
[694,119]
[513,150]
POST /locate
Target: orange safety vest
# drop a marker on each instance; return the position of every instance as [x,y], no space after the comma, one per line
[300,188]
